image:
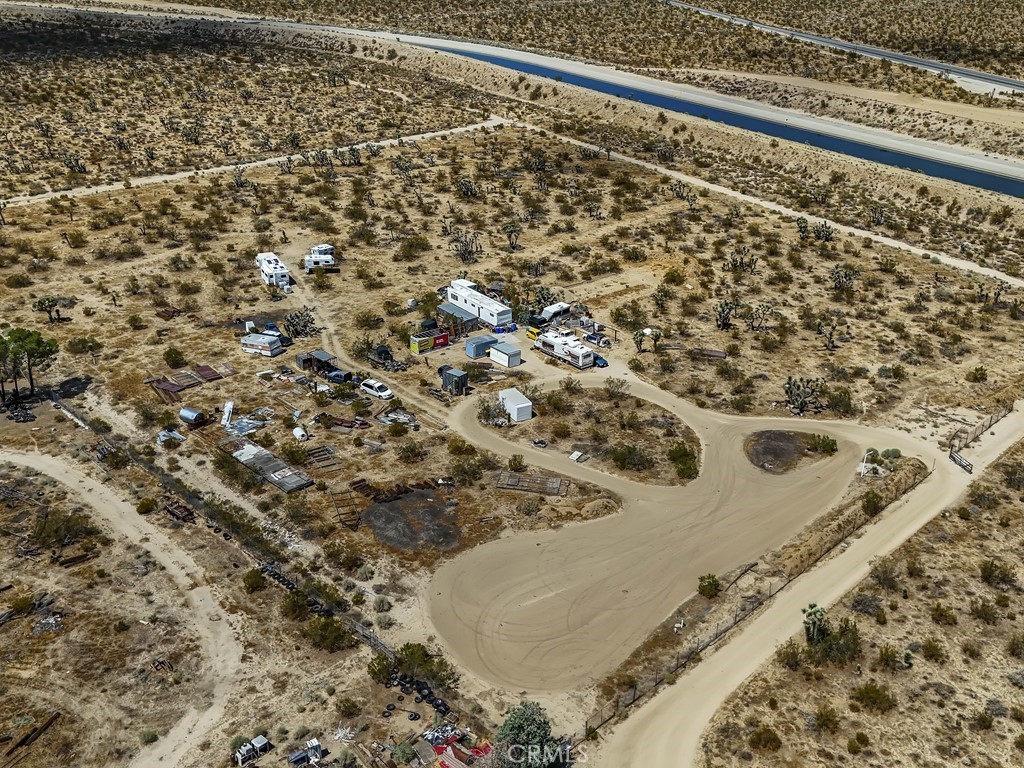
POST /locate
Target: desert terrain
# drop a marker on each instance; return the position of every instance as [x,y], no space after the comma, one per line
[795,340]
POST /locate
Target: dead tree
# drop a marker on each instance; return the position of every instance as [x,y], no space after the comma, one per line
[757,317]
[828,332]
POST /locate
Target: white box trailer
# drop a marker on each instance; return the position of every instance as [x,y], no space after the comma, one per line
[463,294]
[319,256]
[272,270]
[262,344]
[516,404]
[563,345]
[506,354]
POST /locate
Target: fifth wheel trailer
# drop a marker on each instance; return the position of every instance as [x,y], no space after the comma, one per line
[563,345]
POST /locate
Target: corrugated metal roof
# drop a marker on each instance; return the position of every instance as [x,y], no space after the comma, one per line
[451,309]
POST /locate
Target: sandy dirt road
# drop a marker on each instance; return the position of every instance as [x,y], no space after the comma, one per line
[552,610]
[221,649]
[667,731]
[145,181]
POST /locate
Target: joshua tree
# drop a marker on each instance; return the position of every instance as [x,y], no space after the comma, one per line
[742,261]
[723,314]
[803,228]
[842,277]
[512,230]
[655,337]
[638,339]
[757,317]
[824,231]
[815,624]
[828,331]
[801,393]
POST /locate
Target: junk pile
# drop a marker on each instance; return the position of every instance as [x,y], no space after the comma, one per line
[300,324]
[382,357]
[17,412]
[386,495]
[399,416]
[338,424]
[424,694]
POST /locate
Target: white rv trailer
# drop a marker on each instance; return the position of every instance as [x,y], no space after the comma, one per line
[319,256]
[463,294]
[563,345]
[272,270]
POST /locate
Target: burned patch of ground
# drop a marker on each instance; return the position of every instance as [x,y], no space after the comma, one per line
[776,451]
[416,521]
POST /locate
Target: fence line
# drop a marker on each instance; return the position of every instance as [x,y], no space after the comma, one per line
[254,547]
[743,611]
[963,437]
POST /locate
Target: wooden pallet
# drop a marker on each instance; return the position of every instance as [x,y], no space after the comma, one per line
[549,485]
[323,459]
[346,508]
[186,379]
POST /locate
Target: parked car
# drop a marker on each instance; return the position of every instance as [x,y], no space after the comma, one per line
[600,362]
[338,376]
[374,388]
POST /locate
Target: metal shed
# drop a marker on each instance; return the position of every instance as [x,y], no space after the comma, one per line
[192,417]
[453,380]
[516,404]
[477,346]
[508,355]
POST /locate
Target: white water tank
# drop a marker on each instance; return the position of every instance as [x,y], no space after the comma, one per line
[300,434]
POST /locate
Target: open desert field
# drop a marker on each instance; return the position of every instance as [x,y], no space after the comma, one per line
[931,635]
[85,107]
[633,33]
[978,33]
[282,550]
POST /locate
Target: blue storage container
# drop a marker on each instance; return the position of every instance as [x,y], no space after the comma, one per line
[477,346]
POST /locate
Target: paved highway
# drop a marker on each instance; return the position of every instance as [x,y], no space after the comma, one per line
[969,79]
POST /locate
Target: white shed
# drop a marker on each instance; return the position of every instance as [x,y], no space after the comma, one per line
[508,355]
[516,404]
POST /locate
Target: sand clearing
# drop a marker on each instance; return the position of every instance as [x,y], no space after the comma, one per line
[553,610]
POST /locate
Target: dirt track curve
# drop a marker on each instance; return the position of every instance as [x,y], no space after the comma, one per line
[667,731]
[221,650]
[552,610]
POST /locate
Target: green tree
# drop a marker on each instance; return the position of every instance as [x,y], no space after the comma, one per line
[326,633]
[709,586]
[379,668]
[31,352]
[294,606]
[526,734]
[174,357]
[254,580]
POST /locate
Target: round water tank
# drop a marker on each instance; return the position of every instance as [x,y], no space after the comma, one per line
[191,416]
[300,434]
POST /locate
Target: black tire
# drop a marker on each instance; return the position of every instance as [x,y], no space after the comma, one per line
[390,707]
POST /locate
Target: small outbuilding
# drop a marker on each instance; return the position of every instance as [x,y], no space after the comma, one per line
[477,346]
[508,355]
[516,404]
[192,417]
[453,380]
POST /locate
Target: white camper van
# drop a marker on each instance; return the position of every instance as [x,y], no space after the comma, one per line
[319,256]
[272,270]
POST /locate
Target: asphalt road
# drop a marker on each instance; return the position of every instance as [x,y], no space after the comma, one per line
[970,79]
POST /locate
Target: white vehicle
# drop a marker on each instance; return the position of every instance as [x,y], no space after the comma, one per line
[563,345]
[319,256]
[272,270]
[374,388]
